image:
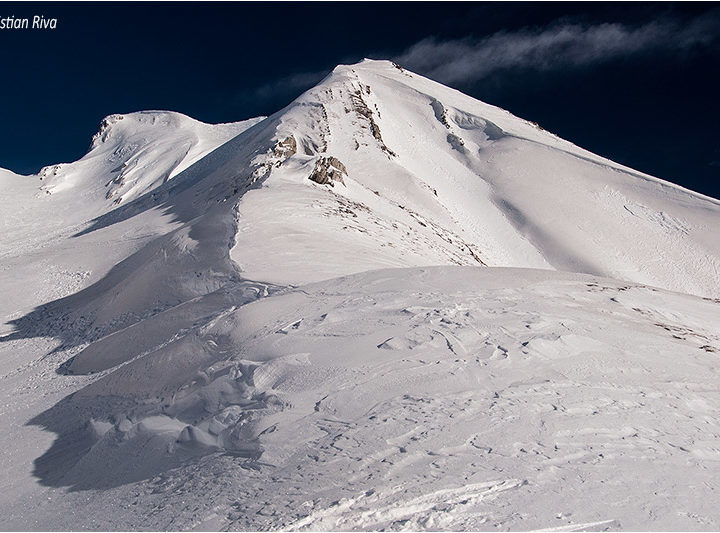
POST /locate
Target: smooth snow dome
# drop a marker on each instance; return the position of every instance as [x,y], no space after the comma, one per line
[388,306]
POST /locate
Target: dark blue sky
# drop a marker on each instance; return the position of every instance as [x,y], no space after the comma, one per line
[635,82]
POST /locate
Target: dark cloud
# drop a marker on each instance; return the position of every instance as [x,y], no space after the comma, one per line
[558,46]
[281,91]
[291,84]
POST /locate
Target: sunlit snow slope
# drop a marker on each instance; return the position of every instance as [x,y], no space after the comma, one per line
[294,322]
[436,177]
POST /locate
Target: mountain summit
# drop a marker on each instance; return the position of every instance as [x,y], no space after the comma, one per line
[431,176]
[386,306]
[379,167]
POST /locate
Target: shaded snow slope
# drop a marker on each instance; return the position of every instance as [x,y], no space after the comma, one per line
[64,231]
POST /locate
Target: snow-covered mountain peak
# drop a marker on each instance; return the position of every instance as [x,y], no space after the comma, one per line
[432,176]
[121,128]
[220,313]
[367,64]
[133,153]
[379,167]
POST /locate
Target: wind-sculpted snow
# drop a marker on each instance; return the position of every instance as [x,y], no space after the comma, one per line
[447,397]
[289,323]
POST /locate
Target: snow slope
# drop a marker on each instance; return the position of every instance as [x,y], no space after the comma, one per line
[446,397]
[183,347]
[42,214]
[436,177]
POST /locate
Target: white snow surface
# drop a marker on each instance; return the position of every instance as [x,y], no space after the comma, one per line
[471,324]
[455,181]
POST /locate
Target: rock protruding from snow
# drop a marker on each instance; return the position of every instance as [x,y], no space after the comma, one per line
[360,107]
[328,170]
[286,148]
[104,133]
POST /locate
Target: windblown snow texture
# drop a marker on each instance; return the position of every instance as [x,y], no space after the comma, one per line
[386,306]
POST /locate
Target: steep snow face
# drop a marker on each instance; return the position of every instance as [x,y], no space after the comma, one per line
[432,176]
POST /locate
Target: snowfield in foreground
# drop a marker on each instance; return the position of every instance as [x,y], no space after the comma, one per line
[444,397]
[387,306]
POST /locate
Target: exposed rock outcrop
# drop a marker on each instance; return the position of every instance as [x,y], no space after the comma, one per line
[328,170]
[361,108]
[103,133]
[286,148]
